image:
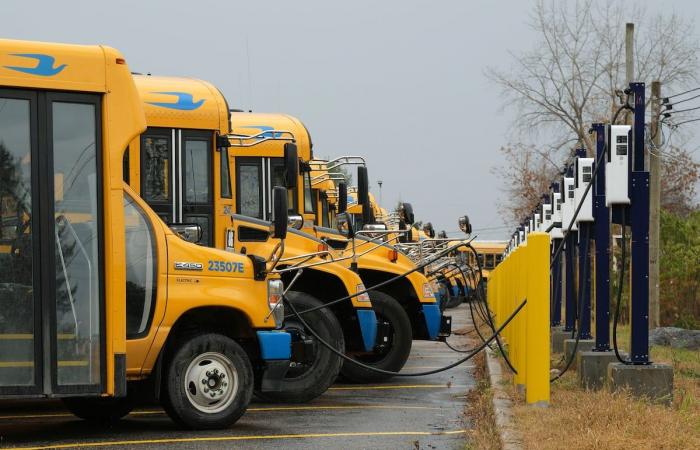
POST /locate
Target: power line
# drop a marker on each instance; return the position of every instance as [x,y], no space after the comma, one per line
[682,110]
[683,93]
[682,101]
[676,125]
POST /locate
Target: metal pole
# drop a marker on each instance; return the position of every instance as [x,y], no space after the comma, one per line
[570,309]
[557,285]
[584,284]
[639,218]
[601,214]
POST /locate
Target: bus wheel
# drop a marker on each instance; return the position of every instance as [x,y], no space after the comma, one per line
[393,346]
[453,301]
[314,372]
[100,410]
[208,382]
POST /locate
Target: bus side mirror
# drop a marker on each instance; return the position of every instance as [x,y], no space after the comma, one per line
[344,225]
[363,194]
[342,197]
[291,164]
[191,232]
[279,212]
[465,225]
[406,213]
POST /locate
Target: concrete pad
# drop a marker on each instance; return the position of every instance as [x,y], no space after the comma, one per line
[558,337]
[653,381]
[584,345]
[593,368]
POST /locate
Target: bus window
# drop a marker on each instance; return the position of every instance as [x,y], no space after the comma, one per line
[125,167]
[249,190]
[325,222]
[499,258]
[489,261]
[77,237]
[140,269]
[481,260]
[225,174]
[278,178]
[308,194]
[156,184]
[16,270]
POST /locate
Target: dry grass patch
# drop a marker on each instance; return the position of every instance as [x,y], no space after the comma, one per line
[580,419]
[479,410]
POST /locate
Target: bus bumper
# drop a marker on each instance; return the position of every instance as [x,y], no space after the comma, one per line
[438,325]
[368,327]
[275,351]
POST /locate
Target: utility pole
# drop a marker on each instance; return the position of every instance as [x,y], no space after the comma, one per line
[654,205]
[380,182]
[629,77]
[629,63]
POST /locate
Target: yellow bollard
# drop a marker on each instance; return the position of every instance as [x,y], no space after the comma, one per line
[519,338]
[537,330]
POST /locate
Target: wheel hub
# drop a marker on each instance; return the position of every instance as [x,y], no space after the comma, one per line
[211,382]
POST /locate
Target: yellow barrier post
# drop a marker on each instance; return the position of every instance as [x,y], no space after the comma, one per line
[537,340]
[520,337]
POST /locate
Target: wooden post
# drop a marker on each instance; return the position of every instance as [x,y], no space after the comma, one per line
[654,206]
[629,63]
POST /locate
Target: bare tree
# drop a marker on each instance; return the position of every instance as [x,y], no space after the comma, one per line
[526,176]
[570,77]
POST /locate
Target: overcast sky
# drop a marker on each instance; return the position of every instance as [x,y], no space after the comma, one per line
[399,82]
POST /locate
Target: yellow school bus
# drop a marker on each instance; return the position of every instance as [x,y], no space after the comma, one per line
[98,296]
[489,254]
[189,168]
[406,308]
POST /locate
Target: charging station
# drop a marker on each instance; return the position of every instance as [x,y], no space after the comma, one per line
[638,374]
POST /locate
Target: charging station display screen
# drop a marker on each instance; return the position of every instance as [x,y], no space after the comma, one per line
[587,174]
[621,147]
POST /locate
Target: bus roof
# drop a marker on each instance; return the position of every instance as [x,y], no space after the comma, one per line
[174,102]
[252,123]
[498,246]
[68,67]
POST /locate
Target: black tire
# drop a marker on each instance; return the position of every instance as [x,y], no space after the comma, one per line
[306,382]
[99,410]
[455,300]
[446,297]
[397,350]
[206,357]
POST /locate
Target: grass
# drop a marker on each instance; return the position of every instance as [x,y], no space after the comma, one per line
[580,419]
[484,434]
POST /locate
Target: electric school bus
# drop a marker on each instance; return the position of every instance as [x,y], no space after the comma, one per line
[190,168]
[406,307]
[98,297]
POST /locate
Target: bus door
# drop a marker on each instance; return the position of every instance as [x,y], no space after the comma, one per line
[255,178]
[176,177]
[52,317]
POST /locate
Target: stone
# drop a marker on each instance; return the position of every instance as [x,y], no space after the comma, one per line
[584,345]
[675,337]
[558,337]
[653,382]
[592,368]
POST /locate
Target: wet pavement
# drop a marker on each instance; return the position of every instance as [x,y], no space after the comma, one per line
[402,413]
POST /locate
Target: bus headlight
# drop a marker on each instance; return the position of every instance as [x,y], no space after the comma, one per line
[275,289]
[362,297]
